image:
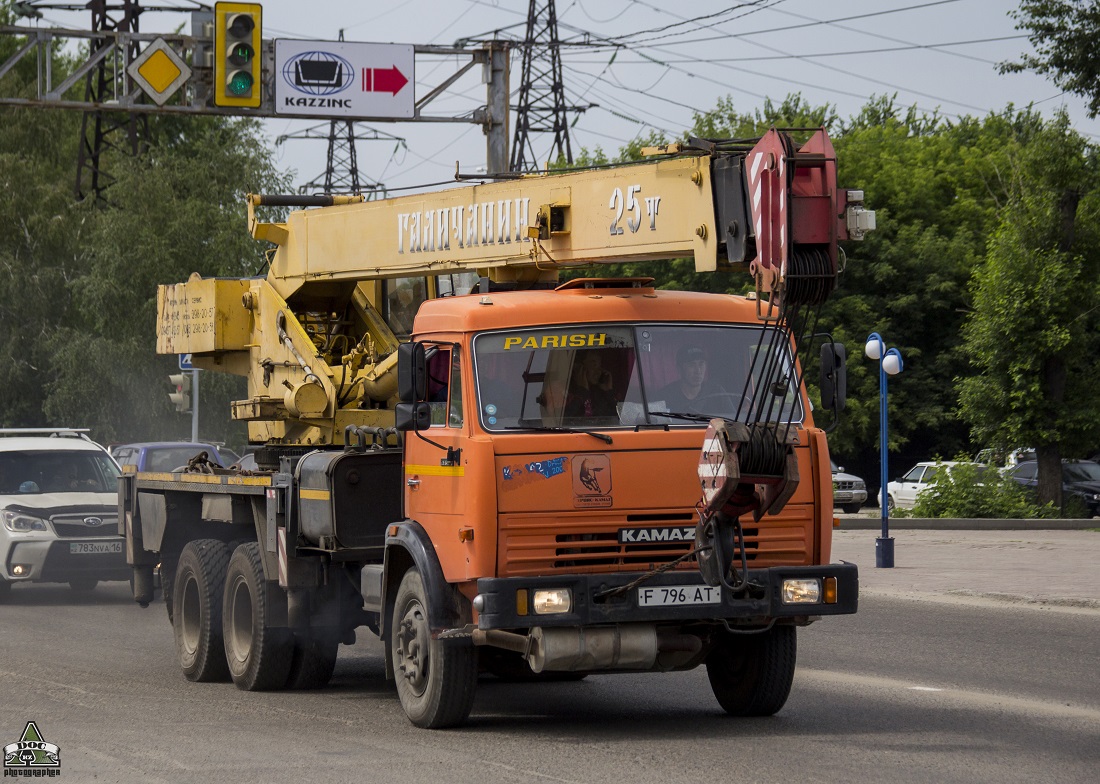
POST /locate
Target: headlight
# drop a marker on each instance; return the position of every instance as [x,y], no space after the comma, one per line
[801,591]
[548,601]
[859,484]
[22,523]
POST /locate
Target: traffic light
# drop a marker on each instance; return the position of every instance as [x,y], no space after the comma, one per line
[237,43]
[180,399]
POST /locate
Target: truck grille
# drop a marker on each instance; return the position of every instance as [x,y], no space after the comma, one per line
[844,485]
[73,525]
[544,544]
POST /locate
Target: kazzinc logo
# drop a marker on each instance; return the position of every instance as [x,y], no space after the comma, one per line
[31,755]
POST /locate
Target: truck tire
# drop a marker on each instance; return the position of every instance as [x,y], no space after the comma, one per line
[197,610]
[751,674]
[259,655]
[436,679]
[314,659]
[852,508]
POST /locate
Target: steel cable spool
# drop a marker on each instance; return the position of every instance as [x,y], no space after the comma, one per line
[810,279]
[762,454]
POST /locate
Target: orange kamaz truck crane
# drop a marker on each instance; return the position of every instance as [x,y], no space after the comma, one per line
[496,472]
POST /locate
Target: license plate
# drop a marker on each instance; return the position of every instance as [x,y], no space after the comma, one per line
[81,548]
[676,595]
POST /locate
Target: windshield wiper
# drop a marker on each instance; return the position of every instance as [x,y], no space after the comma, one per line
[554,429]
[682,415]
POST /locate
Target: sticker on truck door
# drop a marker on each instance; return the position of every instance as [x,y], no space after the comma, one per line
[591,481]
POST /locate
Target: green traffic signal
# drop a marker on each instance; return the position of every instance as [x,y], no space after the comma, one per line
[239,84]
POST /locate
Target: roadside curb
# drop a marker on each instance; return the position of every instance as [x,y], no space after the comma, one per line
[963,524]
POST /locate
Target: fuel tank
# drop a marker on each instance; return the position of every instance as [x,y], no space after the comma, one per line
[346,499]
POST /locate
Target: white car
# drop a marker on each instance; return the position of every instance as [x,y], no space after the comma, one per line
[902,493]
[58,510]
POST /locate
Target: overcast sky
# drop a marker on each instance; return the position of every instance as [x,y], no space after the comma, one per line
[676,58]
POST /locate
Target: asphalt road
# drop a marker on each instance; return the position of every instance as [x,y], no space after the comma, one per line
[907,690]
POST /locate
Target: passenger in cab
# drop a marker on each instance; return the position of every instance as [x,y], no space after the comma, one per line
[590,389]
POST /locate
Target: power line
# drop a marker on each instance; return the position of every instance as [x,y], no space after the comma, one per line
[852,52]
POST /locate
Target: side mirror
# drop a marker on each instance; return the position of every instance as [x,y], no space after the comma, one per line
[834,376]
[412,373]
[412,416]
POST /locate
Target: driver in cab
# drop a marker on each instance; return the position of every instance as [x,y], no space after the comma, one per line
[687,393]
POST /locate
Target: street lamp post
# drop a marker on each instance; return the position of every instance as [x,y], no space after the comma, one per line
[889,364]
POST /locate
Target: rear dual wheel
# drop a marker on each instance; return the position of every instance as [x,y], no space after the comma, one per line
[196,610]
[259,655]
[314,659]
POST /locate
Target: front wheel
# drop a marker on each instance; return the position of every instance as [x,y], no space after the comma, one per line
[891,505]
[751,674]
[852,508]
[436,679]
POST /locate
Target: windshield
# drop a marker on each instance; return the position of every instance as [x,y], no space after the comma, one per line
[54,471]
[173,457]
[606,375]
[1081,472]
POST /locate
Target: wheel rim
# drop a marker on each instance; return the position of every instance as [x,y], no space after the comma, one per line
[413,640]
[240,621]
[190,615]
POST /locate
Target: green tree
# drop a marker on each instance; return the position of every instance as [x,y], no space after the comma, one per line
[1034,332]
[40,227]
[175,211]
[1065,34]
[935,187]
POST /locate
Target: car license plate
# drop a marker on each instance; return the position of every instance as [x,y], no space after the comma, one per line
[81,548]
[675,595]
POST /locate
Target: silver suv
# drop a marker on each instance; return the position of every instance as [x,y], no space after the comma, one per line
[58,510]
[849,491]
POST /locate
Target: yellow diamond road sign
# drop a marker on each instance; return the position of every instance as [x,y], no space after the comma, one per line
[159,71]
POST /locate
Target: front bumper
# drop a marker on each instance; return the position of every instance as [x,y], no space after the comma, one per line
[763,604]
[58,560]
[849,497]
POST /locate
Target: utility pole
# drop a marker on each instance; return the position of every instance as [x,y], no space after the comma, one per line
[496,124]
[541,109]
[104,130]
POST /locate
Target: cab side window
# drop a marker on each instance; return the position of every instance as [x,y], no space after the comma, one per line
[445,387]
[454,416]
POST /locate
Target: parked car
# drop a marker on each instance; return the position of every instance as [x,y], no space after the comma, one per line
[58,510]
[1080,478]
[849,491]
[902,493]
[163,455]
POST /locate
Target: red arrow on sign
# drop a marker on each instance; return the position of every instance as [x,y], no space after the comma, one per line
[383,80]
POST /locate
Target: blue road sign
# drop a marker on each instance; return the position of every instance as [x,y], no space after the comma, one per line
[185,362]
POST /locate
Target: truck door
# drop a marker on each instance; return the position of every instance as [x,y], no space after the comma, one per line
[434,484]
